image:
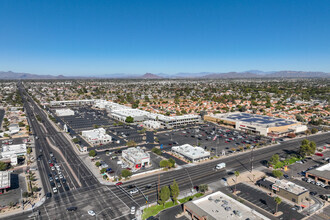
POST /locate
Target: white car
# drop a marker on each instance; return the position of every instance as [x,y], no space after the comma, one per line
[133,210]
[52,168]
[54,190]
[61,176]
[91,212]
[133,191]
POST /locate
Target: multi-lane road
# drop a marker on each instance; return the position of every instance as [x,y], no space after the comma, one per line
[114,202]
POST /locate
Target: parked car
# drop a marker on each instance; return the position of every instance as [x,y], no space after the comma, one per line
[70,209]
[130,186]
[54,189]
[119,183]
[91,212]
[134,191]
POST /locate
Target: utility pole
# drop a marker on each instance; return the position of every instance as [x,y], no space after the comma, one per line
[251,159]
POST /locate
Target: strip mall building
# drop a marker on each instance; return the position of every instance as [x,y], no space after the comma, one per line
[257,124]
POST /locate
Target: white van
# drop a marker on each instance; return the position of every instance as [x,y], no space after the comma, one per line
[220,166]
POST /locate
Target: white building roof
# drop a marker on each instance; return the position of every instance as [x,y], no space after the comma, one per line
[96,134]
[191,152]
[287,185]
[64,111]
[9,150]
[4,179]
[213,208]
[135,154]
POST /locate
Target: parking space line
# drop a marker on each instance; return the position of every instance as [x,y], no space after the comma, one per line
[46,212]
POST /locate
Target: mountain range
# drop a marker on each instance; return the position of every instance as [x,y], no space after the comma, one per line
[6,75]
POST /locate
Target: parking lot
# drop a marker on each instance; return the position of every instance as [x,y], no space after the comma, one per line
[296,173]
[87,118]
[111,158]
[211,137]
[266,202]
[13,195]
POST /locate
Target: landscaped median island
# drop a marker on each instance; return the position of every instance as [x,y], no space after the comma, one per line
[155,209]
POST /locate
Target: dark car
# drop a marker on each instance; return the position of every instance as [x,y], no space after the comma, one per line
[313,193]
[48,195]
[70,209]
[286,176]
[130,186]
[148,186]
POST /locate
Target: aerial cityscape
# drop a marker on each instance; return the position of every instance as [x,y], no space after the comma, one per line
[174,110]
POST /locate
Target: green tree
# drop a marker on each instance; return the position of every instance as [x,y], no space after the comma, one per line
[156,151]
[203,188]
[236,173]
[164,163]
[156,139]
[307,132]
[98,163]
[26,194]
[103,170]
[131,144]
[171,162]
[175,191]
[274,159]
[3,166]
[314,130]
[164,195]
[92,153]
[75,140]
[31,176]
[29,150]
[307,148]
[277,173]
[126,173]
[21,124]
[129,119]
[35,189]
[277,201]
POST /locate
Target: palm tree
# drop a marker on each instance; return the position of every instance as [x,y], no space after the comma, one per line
[236,174]
[278,201]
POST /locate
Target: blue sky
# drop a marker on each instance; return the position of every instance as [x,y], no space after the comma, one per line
[138,36]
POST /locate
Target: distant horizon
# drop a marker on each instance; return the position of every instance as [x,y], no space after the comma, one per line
[166,74]
[80,38]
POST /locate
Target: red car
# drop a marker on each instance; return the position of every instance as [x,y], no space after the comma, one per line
[128,168]
[119,183]
[51,164]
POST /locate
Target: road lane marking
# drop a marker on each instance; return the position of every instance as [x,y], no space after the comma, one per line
[117,196]
[46,212]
